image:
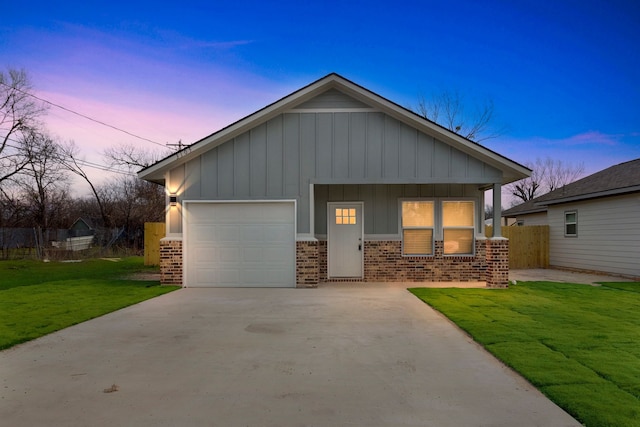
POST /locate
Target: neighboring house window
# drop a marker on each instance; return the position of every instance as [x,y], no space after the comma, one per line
[458,227]
[418,222]
[571,223]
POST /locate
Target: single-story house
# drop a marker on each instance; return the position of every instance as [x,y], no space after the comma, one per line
[331,183]
[527,213]
[594,223]
[79,236]
[604,207]
[82,227]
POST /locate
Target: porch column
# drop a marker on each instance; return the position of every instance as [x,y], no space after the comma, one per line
[497,249]
[497,210]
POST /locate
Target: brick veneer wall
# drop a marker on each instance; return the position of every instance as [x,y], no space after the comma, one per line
[498,263]
[171,262]
[383,262]
[306,263]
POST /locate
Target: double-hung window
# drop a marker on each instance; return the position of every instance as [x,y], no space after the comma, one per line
[418,223]
[458,227]
[571,224]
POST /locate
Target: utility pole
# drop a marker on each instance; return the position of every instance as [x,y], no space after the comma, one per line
[180,145]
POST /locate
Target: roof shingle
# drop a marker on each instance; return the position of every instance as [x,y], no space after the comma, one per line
[618,179]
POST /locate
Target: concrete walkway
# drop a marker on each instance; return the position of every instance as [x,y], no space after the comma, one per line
[267,357]
[565,276]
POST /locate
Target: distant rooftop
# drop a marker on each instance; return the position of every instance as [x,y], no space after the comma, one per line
[619,179]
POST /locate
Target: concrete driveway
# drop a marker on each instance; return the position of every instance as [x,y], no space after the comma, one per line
[267,357]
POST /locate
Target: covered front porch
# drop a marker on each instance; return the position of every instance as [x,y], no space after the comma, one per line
[381,245]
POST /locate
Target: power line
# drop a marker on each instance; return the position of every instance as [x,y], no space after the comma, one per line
[86,163]
[83,115]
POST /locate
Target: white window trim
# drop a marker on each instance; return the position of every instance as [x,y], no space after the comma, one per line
[473,228]
[438,228]
[433,228]
[575,212]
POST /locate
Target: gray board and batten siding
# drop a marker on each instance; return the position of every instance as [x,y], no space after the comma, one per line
[332,139]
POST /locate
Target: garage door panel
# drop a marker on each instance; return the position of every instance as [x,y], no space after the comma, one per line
[277,233]
[255,254]
[279,256]
[202,255]
[252,233]
[240,244]
[270,277]
[225,233]
[202,233]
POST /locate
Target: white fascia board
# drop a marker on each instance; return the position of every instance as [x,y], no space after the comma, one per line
[616,192]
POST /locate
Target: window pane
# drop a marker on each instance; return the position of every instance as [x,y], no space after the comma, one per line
[457,214]
[338,220]
[417,214]
[458,242]
[417,242]
[571,229]
[570,217]
[338,212]
[352,212]
[352,220]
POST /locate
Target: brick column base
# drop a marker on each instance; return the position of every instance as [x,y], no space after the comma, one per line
[497,262]
[170,262]
[307,271]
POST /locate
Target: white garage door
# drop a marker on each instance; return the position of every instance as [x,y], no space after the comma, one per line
[240,244]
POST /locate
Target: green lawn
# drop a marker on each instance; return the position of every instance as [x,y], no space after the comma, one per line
[578,344]
[38,298]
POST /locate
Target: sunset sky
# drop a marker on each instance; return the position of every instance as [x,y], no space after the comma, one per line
[564,75]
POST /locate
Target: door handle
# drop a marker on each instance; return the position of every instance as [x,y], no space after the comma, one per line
[360,247]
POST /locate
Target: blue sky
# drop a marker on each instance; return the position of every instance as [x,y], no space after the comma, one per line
[564,75]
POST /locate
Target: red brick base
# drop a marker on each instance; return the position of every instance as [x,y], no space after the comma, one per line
[306,263]
[498,263]
[170,262]
[383,262]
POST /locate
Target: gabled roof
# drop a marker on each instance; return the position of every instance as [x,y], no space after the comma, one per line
[87,222]
[511,170]
[619,179]
[526,208]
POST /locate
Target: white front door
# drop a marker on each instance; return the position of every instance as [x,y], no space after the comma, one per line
[345,245]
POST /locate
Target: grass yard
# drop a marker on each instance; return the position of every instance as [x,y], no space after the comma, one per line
[38,298]
[578,344]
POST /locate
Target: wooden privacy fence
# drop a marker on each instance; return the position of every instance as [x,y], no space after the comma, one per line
[153,232]
[528,245]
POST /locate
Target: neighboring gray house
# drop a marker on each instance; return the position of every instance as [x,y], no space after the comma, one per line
[527,213]
[594,223]
[332,182]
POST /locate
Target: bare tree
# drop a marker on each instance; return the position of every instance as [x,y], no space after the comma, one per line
[44,180]
[548,174]
[132,156]
[137,202]
[448,110]
[19,113]
[71,160]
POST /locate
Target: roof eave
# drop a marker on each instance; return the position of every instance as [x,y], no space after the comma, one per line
[596,195]
[524,212]
[512,171]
